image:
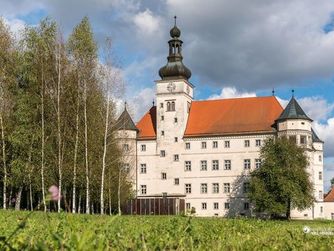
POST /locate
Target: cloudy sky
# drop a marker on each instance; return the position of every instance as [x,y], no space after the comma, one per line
[234,48]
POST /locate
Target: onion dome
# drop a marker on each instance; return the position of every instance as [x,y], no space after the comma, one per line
[175,69]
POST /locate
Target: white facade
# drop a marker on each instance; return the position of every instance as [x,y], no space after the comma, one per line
[210,173]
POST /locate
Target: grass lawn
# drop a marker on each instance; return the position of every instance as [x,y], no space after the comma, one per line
[92,232]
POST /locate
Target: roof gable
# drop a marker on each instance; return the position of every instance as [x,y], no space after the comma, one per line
[147,125]
[329,197]
[232,116]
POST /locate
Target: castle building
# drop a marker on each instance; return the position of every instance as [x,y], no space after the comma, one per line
[203,151]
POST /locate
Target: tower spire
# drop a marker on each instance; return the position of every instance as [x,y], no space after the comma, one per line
[175,69]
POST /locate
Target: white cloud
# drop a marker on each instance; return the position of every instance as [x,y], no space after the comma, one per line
[232,92]
[139,104]
[316,108]
[15,25]
[325,132]
[146,22]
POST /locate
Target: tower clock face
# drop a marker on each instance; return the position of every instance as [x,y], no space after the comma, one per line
[171,87]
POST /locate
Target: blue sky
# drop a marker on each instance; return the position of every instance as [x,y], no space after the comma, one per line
[233,47]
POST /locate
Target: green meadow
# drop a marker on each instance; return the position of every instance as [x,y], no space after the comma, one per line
[52,231]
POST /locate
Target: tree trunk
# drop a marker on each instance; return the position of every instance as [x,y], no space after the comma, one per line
[59,133]
[288,209]
[104,154]
[18,199]
[79,204]
[4,162]
[30,194]
[76,152]
[43,141]
[119,192]
[86,148]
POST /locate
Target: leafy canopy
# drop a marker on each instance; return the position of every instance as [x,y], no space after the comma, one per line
[282,182]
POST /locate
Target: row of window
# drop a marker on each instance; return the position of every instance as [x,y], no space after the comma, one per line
[203,187]
[215,188]
[227,143]
[204,165]
[215,164]
[216,205]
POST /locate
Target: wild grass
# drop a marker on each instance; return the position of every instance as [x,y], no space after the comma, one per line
[63,231]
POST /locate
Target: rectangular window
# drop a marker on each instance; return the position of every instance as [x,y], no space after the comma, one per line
[247,143]
[143,148]
[320,175]
[303,140]
[227,164]
[161,105]
[176,181]
[204,165]
[187,145]
[162,133]
[246,187]
[163,176]
[227,187]
[247,164]
[162,153]
[188,206]
[203,145]
[320,195]
[175,120]
[188,188]
[215,187]
[215,165]
[162,118]
[320,158]
[175,139]
[258,142]
[227,144]
[143,168]
[204,206]
[227,205]
[143,189]
[321,209]
[215,205]
[176,157]
[246,206]
[187,165]
[188,107]
[215,144]
[257,163]
[204,188]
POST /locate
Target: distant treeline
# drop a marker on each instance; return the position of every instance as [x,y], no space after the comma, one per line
[57,121]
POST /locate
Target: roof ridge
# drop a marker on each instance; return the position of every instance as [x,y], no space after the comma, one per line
[235,98]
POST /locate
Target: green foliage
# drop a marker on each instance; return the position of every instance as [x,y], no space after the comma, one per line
[282,182]
[87,232]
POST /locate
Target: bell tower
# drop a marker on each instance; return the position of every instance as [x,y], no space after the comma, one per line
[174,94]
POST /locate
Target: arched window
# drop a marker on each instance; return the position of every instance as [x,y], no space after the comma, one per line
[173,106]
[168,107]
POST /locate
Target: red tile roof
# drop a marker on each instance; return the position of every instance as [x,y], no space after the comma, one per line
[232,116]
[222,117]
[329,197]
[147,126]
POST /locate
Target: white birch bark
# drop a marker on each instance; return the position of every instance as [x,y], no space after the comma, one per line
[86,148]
[104,152]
